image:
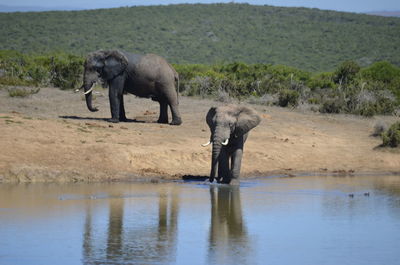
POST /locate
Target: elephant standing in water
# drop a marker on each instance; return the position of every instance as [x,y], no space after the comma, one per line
[148,76]
[229,126]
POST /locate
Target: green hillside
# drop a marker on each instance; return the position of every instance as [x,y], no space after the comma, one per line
[309,39]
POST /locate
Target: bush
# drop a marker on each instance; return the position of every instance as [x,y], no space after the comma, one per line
[381,71]
[379,128]
[332,106]
[369,91]
[60,70]
[22,92]
[288,97]
[66,72]
[392,136]
[346,72]
[321,81]
[369,103]
[223,96]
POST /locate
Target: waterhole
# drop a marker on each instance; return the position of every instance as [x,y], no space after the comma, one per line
[300,220]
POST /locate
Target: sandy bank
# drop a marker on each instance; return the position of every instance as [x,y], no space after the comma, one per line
[51,136]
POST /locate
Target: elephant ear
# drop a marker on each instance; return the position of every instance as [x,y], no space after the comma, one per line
[114,64]
[210,116]
[247,119]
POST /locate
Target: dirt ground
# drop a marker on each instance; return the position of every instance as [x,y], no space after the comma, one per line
[51,136]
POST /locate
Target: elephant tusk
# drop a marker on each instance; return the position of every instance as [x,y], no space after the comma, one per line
[225,142]
[90,90]
[204,145]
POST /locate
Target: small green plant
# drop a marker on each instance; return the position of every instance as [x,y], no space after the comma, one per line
[22,92]
[392,136]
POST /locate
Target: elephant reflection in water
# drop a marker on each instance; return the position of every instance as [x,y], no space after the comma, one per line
[228,240]
[147,243]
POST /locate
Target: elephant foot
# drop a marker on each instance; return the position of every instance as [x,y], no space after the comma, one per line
[224,181]
[113,120]
[124,119]
[234,182]
[162,121]
[177,121]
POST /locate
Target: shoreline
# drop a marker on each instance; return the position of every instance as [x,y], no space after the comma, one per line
[52,137]
[26,177]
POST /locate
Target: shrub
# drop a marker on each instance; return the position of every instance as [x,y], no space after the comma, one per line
[199,85]
[288,97]
[381,71]
[223,96]
[22,92]
[370,103]
[346,72]
[332,106]
[60,70]
[379,127]
[15,81]
[66,71]
[314,101]
[321,81]
[39,74]
[392,136]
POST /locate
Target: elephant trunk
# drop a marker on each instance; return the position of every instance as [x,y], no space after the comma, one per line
[87,85]
[216,150]
[219,139]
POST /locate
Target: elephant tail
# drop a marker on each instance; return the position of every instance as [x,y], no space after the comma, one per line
[177,87]
[176,78]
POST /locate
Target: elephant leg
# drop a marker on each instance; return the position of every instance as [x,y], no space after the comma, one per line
[176,116]
[122,116]
[163,118]
[115,95]
[223,168]
[236,162]
[172,99]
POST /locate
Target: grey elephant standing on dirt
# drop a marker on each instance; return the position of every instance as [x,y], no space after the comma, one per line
[148,76]
[229,126]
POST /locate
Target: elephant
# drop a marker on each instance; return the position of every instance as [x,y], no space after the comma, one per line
[148,76]
[229,126]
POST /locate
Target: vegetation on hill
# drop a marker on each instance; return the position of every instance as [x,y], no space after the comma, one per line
[309,39]
[348,89]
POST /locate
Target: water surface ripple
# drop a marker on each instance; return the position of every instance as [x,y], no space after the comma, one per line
[301,220]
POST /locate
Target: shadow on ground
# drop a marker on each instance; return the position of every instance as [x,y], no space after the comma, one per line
[97,119]
[194,178]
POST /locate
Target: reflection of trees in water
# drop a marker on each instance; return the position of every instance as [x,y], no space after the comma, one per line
[228,240]
[148,242]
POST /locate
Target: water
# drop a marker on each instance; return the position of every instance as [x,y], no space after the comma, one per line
[301,220]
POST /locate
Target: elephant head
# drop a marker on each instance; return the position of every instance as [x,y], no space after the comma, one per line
[228,124]
[104,65]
